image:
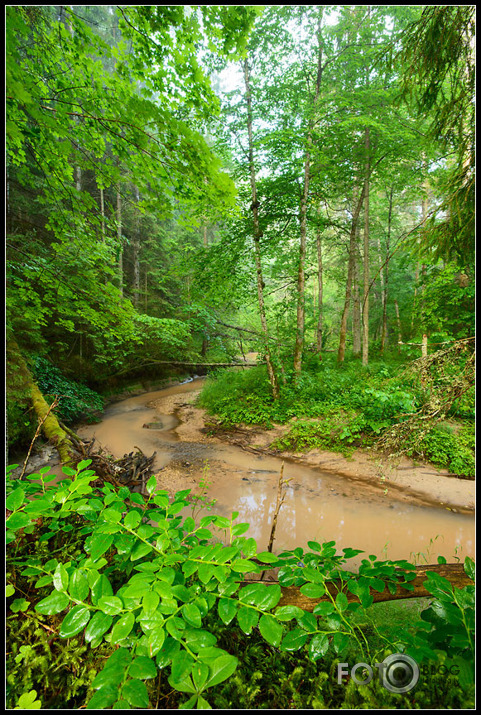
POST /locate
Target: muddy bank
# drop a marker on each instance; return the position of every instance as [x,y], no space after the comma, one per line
[327,497]
[421,484]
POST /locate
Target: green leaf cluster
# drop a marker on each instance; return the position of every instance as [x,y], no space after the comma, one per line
[146,580]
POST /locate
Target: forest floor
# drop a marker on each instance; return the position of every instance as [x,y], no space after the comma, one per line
[413,482]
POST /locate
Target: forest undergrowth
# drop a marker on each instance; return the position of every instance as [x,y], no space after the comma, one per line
[384,406]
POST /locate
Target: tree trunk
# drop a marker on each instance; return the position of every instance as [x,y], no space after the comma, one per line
[120,243]
[145,289]
[102,215]
[398,320]
[365,304]
[319,285]
[350,269]
[386,274]
[301,280]
[256,236]
[356,309]
[136,251]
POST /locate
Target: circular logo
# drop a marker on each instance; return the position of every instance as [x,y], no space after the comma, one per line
[400,673]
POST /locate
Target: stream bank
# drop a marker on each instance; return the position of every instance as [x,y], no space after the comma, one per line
[415,512]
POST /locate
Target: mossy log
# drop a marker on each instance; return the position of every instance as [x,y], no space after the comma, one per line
[454,573]
[51,428]
[50,425]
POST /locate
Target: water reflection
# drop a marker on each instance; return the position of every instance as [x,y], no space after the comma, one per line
[394,531]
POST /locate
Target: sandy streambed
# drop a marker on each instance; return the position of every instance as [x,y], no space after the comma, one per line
[402,511]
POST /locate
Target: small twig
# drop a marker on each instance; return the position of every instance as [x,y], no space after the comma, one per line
[37,432]
[281,495]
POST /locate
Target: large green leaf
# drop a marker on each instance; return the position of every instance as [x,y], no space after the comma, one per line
[227,608]
[74,621]
[55,603]
[79,585]
[192,615]
[99,544]
[271,630]
[122,628]
[135,692]
[111,605]
[98,625]
[318,646]
[293,640]
[221,669]
[103,698]
[182,665]
[247,618]
[143,668]
[15,499]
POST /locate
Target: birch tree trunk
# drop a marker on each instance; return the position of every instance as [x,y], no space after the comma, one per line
[256,237]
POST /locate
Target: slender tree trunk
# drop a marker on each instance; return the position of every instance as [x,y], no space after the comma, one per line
[382,281]
[365,303]
[102,215]
[356,309]
[386,274]
[301,280]
[205,221]
[356,302]
[319,284]
[398,320]
[120,243]
[257,236]
[136,252]
[350,270]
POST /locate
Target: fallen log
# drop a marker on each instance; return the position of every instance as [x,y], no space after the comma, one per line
[45,415]
[454,573]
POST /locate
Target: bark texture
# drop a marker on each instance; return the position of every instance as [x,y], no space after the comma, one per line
[350,271]
[454,573]
[257,236]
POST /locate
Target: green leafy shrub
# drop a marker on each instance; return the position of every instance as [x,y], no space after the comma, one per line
[76,400]
[158,599]
[455,452]
[337,411]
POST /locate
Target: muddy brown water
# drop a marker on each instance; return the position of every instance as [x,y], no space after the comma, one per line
[319,506]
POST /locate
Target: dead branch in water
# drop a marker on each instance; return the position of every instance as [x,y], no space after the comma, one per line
[281,495]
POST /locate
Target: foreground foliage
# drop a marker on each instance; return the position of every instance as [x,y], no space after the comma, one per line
[118,589]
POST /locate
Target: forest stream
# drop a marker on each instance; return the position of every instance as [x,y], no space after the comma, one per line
[385,518]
